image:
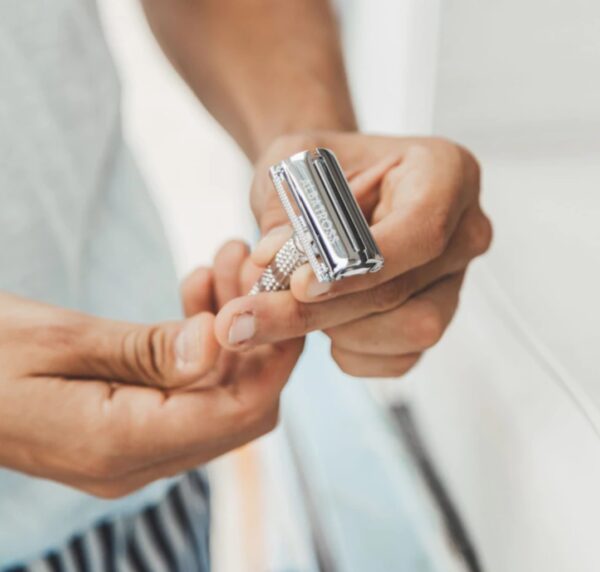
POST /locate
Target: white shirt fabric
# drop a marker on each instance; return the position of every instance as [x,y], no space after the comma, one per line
[510,399]
[77,227]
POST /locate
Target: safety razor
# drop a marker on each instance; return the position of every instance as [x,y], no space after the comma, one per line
[330,231]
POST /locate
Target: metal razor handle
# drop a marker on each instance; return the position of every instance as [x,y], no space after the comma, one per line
[330,231]
[277,275]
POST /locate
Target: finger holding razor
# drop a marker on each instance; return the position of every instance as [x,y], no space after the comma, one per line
[421,200]
[427,204]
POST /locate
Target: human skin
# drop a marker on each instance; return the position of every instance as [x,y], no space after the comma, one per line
[263,68]
[108,407]
[272,73]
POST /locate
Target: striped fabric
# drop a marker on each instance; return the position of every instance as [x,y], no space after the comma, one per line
[171,536]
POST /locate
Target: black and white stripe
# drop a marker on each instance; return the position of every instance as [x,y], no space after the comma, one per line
[171,536]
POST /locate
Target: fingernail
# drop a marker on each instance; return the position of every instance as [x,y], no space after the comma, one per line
[279,229]
[316,288]
[276,234]
[188,344]
[242,329]
[271,242]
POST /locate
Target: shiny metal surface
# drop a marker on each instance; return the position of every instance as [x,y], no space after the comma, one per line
[277,275]
[329,227]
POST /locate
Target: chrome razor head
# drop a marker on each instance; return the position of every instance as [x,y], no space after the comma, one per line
[329,226]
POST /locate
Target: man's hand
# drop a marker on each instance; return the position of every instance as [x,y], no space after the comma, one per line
[107,407]
[421,197]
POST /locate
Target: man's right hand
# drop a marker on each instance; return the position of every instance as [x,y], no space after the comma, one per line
[107,407]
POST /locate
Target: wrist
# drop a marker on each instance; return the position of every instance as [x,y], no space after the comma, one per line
[300,123]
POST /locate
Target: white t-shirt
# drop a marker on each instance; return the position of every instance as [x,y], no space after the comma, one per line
[510,399]
[77,227]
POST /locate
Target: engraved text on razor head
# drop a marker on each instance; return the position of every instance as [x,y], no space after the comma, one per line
[325,222]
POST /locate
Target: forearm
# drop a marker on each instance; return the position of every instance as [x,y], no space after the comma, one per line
[262,67]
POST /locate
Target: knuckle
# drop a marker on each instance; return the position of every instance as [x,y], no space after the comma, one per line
[461,165]
[353,371]
[388,295]
[338,334]
[480,235]
[337,357]
[452,152]
[233,248]
[342,361]
[302,319]
[437,232]
[391,180]
[422,151]
[269,421]
[436,152]
[471,167]
[428,327]
[155,351]
[404,365]
[347,367]
[147,350]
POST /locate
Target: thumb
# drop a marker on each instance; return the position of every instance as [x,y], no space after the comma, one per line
[41,340]
[168,355]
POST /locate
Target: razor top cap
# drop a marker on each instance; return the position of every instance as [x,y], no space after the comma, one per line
[330,231]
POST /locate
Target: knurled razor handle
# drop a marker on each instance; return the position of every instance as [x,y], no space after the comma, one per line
[277,275]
